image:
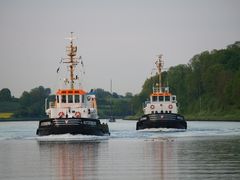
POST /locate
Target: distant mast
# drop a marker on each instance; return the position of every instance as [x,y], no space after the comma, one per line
[72,60]
[111,98]
[159,65]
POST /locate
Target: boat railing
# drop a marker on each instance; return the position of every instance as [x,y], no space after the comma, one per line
[174,99]
[46,104]
[156,89]
[145,103]
[51,104]
[160,89]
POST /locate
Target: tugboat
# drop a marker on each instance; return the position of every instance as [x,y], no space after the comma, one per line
[74,110]
[161,111]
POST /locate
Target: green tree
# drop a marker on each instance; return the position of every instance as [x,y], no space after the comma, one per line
[121,105]
[208,85]
[32,103]
[128,95]
[5,95]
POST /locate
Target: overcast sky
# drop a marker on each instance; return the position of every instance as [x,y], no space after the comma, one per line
[117,39]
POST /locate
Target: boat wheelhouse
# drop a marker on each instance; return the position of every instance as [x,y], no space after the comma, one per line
[161,101]
[73,103]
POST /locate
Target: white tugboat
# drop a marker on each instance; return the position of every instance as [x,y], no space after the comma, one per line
[161,111]
[74,110]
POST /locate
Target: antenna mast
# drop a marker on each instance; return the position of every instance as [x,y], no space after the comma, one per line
[159,65]
[71,53]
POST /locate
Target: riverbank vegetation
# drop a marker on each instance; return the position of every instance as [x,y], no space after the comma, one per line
[207,88]
[31,104]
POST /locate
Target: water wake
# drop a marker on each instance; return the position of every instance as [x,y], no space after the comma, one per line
[162,130]
[70,137]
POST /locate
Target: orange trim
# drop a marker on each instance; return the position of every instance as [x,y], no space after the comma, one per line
[71,91]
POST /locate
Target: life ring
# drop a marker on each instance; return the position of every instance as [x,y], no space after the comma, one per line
[170,106]
[152,106]
[61,114]
[77,114]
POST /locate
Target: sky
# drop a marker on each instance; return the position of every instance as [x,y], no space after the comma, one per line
[117,39]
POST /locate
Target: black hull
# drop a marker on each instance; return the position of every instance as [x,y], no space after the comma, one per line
[161,120]
[84,126]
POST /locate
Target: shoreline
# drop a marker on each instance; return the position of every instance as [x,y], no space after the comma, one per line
[126,118]
[20,119]
[217,120]
[198,119]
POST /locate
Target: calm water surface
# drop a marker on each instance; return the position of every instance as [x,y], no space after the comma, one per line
[207,150]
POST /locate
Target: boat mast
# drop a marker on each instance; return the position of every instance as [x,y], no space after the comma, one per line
[159,65]
[72,52]
[111,98]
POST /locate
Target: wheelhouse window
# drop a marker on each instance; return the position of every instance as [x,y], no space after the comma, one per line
[160,98]
[174,99]
[77,100]
[167,98]
[154,98]
[70,98]
[63,98]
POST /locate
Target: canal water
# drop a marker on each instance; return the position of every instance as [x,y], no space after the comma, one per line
[207,150]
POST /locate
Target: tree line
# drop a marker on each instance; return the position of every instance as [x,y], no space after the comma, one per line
[32,104]
[207,87]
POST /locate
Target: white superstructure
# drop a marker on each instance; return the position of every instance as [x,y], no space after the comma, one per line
[72,102]
[161,100]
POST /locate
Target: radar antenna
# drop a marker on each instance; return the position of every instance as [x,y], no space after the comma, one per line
[71,59]
[159,64]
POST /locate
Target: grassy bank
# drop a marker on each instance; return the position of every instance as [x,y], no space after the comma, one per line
[131,118]
[233,116]
[215,116]
[6,115]
[20,119]
[9,116]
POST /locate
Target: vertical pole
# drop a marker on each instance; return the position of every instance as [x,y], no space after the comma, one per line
[71,61]
[111,98]
[159,64]
[159,73]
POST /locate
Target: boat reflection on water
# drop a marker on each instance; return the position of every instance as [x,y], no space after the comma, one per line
[70,160]
[163,158]
[111,159]
[157,158]
[159,150]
